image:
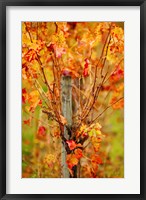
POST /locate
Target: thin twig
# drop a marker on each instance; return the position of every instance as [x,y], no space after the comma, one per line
[105,110]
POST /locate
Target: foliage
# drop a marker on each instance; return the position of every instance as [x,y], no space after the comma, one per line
[92,54]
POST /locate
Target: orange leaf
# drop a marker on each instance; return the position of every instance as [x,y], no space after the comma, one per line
[27,122]
[71,144]
[63,120]
[96,159]
[71,160]
[78,153]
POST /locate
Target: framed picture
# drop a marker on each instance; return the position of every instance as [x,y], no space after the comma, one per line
[72,120]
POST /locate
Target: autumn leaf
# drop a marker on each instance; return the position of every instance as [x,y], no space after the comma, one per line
[27,122]
[71,160]
[85,72]
[33,99]
[84,134]
[117,105]
[49,159]
[96,159]
[98,126]
[117,75]
[96,140]
[79,153]
[40,103]
[71,144]
[86,68]
[24,96]
[30,55]
[86,63]
[50,47]
[92,55]
[63,120]
[23,99]
[42,133]
[24,91]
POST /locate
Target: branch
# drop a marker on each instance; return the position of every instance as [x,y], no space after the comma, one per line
[53,117]
[106,52]
[95,96]
[105,110]
[54,105]
[114,69]
[38,119]
[38,88]
[101,57]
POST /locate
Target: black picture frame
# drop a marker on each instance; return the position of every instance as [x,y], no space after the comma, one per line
[3,128]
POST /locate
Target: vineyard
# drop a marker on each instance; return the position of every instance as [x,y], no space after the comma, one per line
[72,99]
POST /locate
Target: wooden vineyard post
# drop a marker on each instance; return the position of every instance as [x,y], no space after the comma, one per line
[66,93]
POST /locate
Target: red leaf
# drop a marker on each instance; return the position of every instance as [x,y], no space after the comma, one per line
[27,122]
[40,103]
[86,68]
[24,94]
[71,144]
[23,91]
[86,63]
[84,134]
[85,72]
[23,99]
[42,131]
[51,47]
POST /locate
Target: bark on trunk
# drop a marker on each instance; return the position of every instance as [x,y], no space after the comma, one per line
[66,93]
